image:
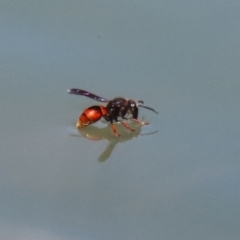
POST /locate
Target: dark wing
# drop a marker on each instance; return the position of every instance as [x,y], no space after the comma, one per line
[86,94]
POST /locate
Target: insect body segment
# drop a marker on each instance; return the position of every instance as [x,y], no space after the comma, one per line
[118,110]
[91,115]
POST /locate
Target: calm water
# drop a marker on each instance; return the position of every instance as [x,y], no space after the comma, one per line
[177,178]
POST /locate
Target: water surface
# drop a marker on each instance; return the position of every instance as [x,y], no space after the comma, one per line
[181,182]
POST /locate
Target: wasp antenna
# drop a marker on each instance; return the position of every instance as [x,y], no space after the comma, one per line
[148,108]
[140,101]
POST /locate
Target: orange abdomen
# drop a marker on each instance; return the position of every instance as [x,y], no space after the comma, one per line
[91,115]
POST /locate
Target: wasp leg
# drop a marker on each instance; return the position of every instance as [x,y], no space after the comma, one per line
[115,130]
[126,126]
[140,122]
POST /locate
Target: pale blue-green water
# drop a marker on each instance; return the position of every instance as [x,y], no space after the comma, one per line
[177,178]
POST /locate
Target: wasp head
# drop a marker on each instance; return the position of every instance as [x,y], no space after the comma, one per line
[133,108]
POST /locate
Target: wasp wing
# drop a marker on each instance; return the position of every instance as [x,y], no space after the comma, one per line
[86,94]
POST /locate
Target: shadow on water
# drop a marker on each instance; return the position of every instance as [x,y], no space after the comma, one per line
[95,134]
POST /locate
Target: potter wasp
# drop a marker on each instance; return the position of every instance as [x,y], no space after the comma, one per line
[118,110]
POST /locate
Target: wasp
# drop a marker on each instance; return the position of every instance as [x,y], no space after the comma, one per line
[118,110]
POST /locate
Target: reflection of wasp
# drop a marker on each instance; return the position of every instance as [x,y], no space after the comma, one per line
[118,107]
[96,134]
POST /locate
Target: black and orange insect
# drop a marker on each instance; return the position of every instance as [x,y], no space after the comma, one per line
[118,109]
